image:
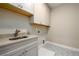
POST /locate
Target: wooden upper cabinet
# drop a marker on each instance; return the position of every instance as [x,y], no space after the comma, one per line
[41,14]
[28,7]
[25,6]
[15,4]
[20,8]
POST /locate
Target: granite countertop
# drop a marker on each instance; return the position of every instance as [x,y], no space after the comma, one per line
[6,41]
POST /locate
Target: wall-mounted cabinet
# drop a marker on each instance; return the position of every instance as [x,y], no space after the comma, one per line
[28,7]
[41,14]
[21,8]
[25,6]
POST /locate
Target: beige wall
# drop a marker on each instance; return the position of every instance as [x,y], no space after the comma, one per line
[64,25]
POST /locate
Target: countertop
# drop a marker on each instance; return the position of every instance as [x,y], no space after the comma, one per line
[6,41]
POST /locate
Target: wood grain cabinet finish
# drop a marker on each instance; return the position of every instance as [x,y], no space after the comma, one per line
[19,8]
[25,6]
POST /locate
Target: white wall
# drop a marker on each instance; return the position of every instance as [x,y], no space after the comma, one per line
[64,25]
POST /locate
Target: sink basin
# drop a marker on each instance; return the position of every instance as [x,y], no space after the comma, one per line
[16,38]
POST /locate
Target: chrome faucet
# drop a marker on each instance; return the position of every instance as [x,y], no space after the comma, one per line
[16,32]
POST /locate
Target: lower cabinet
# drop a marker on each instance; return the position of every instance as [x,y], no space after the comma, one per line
[26,50]
[31,52]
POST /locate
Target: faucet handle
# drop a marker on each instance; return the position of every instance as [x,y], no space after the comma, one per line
[16,32]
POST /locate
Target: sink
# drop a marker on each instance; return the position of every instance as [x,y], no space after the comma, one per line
[16,38]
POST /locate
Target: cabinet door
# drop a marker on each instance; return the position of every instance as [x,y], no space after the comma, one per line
[27,50]
[31,52]
[14,4]
[19,53]
[19,5]
[41,14]
[37,13]
[16,52]
[28,7]
[25,6]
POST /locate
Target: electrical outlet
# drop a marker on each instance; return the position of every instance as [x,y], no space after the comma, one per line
[43,41]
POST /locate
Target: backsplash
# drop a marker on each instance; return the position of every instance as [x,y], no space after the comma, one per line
[13,21]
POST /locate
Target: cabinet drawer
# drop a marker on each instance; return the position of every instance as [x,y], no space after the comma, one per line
[5,49]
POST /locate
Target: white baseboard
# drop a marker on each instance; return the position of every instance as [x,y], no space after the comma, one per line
[64,46]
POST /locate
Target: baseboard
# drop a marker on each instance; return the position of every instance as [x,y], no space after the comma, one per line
[64,46]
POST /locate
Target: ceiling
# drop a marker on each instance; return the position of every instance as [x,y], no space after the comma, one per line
[53,5]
